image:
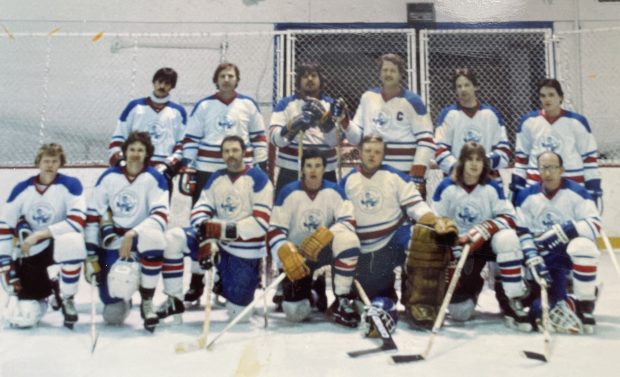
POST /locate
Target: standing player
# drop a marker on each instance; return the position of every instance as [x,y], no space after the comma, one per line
[558,221]
[46,215]
[135,196]
[486,220]
[312,218]
[563,132]
[213,118]
[400,117]
[302,112]
[470,121]
[234,211]
[164,121]
[384,199]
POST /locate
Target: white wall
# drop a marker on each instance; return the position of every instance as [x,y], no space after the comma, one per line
[255,15]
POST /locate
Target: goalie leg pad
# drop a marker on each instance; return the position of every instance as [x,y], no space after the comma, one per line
[426,268]
[297,311]
[585,256]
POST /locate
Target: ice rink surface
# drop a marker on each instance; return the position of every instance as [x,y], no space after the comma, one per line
[481,347]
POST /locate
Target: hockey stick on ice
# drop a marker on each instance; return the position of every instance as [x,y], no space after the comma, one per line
[200,342]
[440,315]
[94,335]
[610,250]
[245,311]
[386,337]
[544,299]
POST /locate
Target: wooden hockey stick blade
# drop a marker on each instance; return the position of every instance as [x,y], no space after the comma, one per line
[534,356]
[398,359]
[387,346]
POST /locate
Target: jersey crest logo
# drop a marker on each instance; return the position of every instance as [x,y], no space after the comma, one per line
[311,220]
[41,214]
[549,218]
[370,200]
[473,136]
[230,206]
[224,123]
[125,204]
[381,119]
[467,215]
[550,143]
[156,132]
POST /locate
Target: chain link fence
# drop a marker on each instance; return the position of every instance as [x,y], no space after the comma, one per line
[588,62]
[71,88]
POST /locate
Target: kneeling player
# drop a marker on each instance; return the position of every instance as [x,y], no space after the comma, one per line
[558,222]
[486,220]
[234,210]
[131,248]
[313,219]
[47,214]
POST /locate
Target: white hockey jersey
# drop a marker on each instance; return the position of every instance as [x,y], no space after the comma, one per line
[244,198]
[297,213]
[166,128]
[471,206]
[212,119]
[287,156]
[382,202]
[60,207]
[404,124]
[140,204]
[457,126]
[569,136]
[537,211]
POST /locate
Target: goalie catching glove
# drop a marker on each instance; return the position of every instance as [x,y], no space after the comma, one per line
[312,245]
[446,229]
[219,230]
[479,234]
[293,263]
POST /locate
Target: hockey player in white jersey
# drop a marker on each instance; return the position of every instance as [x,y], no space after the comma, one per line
[163,119]
[401,118]
[303,112]
[234,211]
[487,222]
[225,113]
[46,215]
[565,132]
[385,200]
[128,247]
[558,224]
[468,120]
[312,225]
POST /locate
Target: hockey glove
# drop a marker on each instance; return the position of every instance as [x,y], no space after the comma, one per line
[23,230]
[92,269]
[108,236]
[117,159]
[207,254]
[218,230]
[479,234]
[517,184]
[8,276]
[333,116]
[538,268]
[187,181]
[494,160]
[312,245]
[169,168]
[417,173]
[314,111]
[594,189]
[299,123]
[293,263]
[556,237]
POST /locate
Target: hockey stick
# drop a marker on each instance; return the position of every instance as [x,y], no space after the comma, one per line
[544,298]
[386,337]
[94,335]
[245,311]
[440,315]
[200,342]
[610,250]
